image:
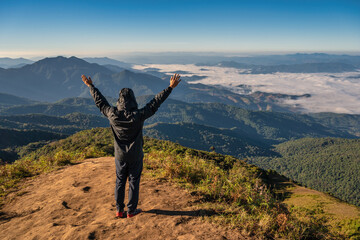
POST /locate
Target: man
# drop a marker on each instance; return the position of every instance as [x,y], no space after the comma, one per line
[126,122]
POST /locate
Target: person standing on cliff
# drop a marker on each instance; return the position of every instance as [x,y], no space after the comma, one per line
[126,122]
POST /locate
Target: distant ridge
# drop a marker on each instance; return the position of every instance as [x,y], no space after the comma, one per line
[108,61]
[7,100]
[13,62]
[213,58]
[49,79]
[330,67]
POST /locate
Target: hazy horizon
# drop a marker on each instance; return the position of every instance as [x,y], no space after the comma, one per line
[174,53]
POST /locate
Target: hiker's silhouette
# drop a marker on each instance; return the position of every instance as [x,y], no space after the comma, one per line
[126,122]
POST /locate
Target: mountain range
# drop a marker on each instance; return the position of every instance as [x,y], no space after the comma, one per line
[299,58]
[56,78]
[290,63]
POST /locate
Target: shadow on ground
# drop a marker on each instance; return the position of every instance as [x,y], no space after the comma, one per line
[195,213]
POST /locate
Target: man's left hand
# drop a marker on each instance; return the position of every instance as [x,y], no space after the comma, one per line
[86,80]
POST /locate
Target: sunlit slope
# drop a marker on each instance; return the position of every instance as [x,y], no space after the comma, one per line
[231,191]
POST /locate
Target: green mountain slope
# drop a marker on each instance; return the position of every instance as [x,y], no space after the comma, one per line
[342,122]
[7,100]
[54,109]
[225,141]
[11,138]
[68,124]
[16,137]
[271,126]
[326,164]
[35,129]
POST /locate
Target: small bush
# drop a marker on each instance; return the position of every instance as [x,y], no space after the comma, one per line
[350,228]
[62,158]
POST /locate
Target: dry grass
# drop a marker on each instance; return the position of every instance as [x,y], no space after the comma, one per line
[238,194]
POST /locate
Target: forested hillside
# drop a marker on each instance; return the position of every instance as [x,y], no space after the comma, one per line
[342,122]
[67,124]
[326,164]
[11,138]
[234,142]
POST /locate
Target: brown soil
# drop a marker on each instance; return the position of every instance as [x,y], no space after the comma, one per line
[77,202]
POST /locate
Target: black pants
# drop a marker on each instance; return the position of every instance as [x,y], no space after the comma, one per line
[132,170]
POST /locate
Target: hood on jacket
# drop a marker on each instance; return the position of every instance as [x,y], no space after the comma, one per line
[127,101]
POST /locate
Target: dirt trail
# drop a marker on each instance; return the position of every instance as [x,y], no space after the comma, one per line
[77,202]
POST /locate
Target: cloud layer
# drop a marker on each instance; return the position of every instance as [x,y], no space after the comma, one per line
[329,92]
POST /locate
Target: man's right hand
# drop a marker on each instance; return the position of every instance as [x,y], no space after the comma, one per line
[174,80]
[86,80]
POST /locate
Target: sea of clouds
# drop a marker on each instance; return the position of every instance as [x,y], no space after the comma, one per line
[330,92]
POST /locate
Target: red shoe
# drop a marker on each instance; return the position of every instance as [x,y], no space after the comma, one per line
[120,214]
[134,213]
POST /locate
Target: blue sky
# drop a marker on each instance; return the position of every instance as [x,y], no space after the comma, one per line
[106,28]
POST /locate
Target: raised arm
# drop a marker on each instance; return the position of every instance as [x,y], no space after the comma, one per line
[99,99]
[155,103]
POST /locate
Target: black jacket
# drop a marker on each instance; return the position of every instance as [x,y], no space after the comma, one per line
[126,120]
